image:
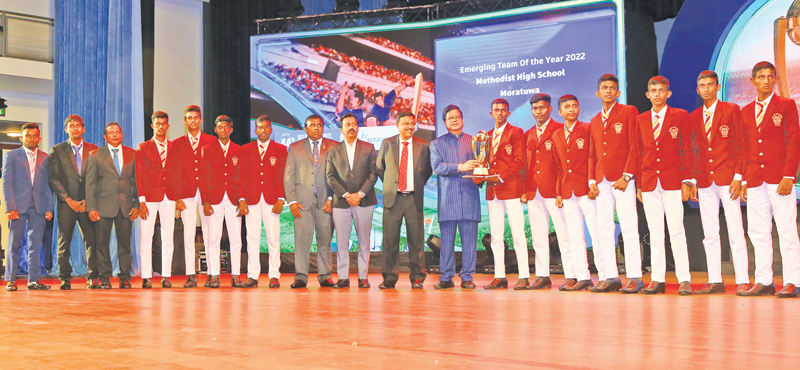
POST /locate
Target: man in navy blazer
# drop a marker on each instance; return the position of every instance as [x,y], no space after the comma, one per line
[28,200]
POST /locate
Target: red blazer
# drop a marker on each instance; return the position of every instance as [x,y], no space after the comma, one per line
[616,146]
[726,153]
[219,173]
[541,171]
[188,168]
[669,159]
[262,177]
[152,180]
[574,164]
[774,149]
[508,162]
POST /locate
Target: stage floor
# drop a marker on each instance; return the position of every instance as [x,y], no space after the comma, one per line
[325,328]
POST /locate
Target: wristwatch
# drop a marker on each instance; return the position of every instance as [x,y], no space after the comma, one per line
[627,178]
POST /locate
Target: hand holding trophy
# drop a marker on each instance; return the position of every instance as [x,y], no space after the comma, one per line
[480,148]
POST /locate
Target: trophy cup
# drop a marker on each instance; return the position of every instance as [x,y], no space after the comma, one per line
[480,149]
[789,26]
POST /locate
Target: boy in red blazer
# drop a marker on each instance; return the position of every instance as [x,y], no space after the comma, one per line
[261,199]
[721,156]
[773,134]
[540,194]
[219,170]
[615,147]
[506,150]
[155,183]
[665,159]
[187,175]
[575,167]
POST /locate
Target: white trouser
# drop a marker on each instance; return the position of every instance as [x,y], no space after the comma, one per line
[261,214]
[189,218]
[516,221]
[166,212]
[624,202]
[224,211]
[657,204]
[576,210]
[540,209]
[709,199]
[764,203]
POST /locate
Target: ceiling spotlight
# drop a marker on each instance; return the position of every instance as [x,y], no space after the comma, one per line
[346,6]
[290,8]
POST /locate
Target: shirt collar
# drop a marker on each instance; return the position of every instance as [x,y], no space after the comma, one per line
[224,146]
[348,144]
[115,147]
[30,152]
[501,128]
[162,143]
[311,142]
[195,137]
[712,108]
[405,141]
[264,144]
[608,112]
[767,100]
[78,147]
[544,126]
[660,114]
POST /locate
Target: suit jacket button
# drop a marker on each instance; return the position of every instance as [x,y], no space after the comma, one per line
[567,160]
[226,174]
[658,159]
[262,164]
[762,166]
[709,149]
[537,171]
[197,178]
[657,171]
[712,172]
[262,183]
[262,174]
[351,175]
[604,153]
[569,171]
[759,141]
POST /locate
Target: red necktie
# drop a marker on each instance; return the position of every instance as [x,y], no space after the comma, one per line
[401,183]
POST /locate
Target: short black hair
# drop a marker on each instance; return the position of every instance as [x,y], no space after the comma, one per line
[404,114]
[30,126]
[708,74]
[763,65]
[192,108]
[377,94]
[541,97]
[73,118]
[159,114]
[658,80]
[348,115]
[566,98]
[309,118]
[112,123]
[360,96]
[501,101]
[608,77]
[263,118]
[449,108]
[224,118]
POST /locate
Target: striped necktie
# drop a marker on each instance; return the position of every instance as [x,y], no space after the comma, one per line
[567,132]
[495,141]
[709,115]
[78,159]
[225,151]
[162,152]
[315,159]
[656,127]
[604,114]
[760,112]
[116,161]
[539,132]
[262,149]
[194,141]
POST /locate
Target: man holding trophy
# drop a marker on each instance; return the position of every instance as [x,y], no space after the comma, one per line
[459,198]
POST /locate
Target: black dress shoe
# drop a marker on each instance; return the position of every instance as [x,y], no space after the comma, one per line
[522,284]
[468,285]
[542,282]
[147,283]
[38,286]
[416,284]
[364,283]
[711,288]
[342,283]
[634,286]
[11,286]
[789,291]
[208,282]
[124,284]
[298,284]
[327,283]
[92,284]
[567,284]
[66,285]
[497,283]
[609,285]
[445,284]
[253,283]
[165,283]
[655,288]
[236,282]
[274,283]
[191,282]
[580,285]
[741,288]
[685,288]
[759,290]
[386,285]
[213,282]
[105,284]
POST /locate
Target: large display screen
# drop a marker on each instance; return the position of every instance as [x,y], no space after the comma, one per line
[377,72]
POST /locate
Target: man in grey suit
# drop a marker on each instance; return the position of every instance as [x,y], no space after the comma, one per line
[28,201]
[404,166]
[309,198]
[67,172]
[111,199]
[351,176]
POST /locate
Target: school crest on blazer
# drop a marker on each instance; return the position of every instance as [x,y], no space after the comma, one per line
[673,131]
[272,160]
[548,145]
[618,127]
[235,160]
[776,119]
[508,149]
[580,143]
[724,130]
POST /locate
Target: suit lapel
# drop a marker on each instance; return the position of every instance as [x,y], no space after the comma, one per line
[23,160]
[110,159]
[417,152]
[767,120]
[718,112]
[546,133]
[665,126]
[611,115]
[71,155]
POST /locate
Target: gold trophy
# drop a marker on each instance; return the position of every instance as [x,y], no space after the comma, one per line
[789,26]
[480,144]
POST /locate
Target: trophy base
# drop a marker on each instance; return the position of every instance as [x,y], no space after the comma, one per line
[480,171]
[482,177]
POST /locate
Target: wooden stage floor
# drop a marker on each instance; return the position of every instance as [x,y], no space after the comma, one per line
[325,328]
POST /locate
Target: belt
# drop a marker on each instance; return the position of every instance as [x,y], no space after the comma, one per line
[405,194]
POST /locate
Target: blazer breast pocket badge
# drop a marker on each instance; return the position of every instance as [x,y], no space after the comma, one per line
[508,149]
[235,160]
[548,145]
[618,127]
[673,131]
[580,143]
[776,119]
[724,130]
[272,160]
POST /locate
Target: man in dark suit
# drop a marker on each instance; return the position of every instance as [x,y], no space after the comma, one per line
[351,176]
[67,172]
[28,201]
[309,198]
[111,199]
[404,166]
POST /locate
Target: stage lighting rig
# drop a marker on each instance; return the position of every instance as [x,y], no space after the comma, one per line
[290,8]
[346,6]
[396,4]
